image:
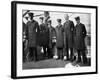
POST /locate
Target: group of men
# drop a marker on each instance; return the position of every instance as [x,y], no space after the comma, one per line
[68,37]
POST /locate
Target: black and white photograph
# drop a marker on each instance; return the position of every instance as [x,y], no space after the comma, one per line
[54,39]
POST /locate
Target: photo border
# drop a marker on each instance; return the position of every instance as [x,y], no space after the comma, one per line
[14,41]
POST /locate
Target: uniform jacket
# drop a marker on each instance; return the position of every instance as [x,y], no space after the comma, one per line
[59,36]
[68,34]
[43,35]
[51,35]
[32,33]
[79,37]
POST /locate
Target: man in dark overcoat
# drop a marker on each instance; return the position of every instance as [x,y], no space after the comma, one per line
[32,26]
[79,38]
[43,36]
[51,36]
[45,21]
[24,42]
[59,39]
[68,37]
[25,49]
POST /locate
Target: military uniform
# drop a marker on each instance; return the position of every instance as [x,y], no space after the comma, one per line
[79,38]
[43,37]
[51,45]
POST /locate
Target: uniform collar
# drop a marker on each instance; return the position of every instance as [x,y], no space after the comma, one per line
[79,24]
[67,21]
[32,21]
[59,26]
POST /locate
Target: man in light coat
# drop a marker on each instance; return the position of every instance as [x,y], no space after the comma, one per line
[59,39]
[68,37]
